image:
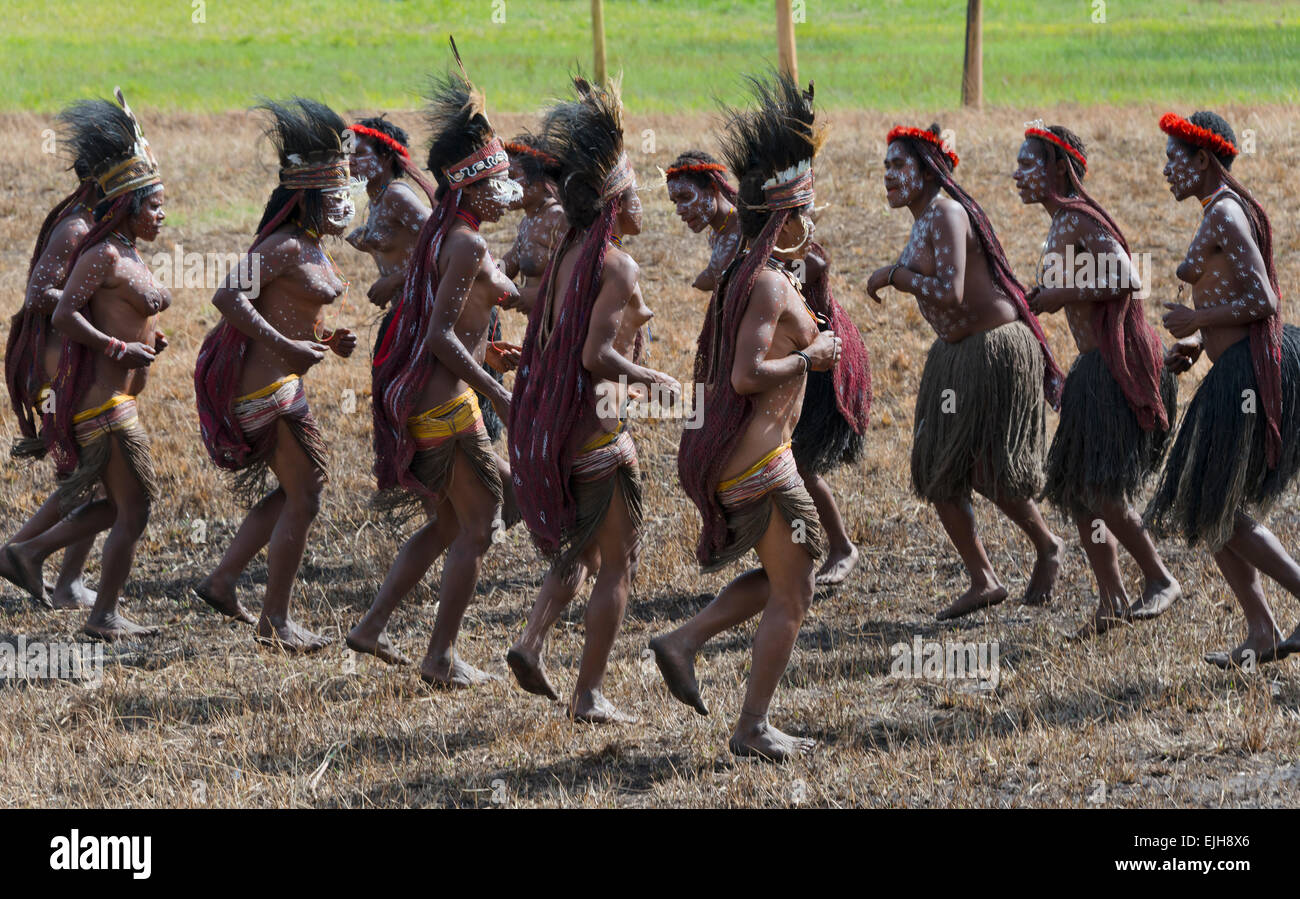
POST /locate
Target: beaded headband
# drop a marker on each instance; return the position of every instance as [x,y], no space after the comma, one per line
[485,162]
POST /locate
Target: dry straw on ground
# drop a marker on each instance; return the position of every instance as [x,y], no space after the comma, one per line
[202,717]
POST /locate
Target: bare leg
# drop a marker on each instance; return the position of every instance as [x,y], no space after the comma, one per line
[70,591]
[509,509]
[132,507]
[474,510]
[958,519]
[25,560]
[1025,515]
[525,656]
[413,561]
[675,652]
[302,484]
[44,518]
[1103,556]
[1263,638]
[1160,590]
[218,588]
[617,539]
[843,555]
[789,570]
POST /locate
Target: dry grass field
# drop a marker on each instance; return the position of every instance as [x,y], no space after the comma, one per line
[202,717]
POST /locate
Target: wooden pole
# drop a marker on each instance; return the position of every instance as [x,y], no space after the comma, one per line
[972,70]
[598,38]
[785,39]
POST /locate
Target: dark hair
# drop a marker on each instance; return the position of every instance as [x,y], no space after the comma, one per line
[586,138]
[1213,122]
[758,143]
[383,151]
[533,167]
[455,114]
[311,131]
[1055,153]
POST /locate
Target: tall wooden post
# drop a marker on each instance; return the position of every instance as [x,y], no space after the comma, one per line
[972,70]
[598,39]
[785,39]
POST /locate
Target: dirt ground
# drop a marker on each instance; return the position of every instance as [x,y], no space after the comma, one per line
[201,716]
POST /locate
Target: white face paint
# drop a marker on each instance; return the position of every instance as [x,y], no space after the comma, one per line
[1031,175]
[504,191]
[1180,173]
[339,209]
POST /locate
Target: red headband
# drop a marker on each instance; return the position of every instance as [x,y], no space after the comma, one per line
[375,134]
[918,134]
[1179,127]
[514,148]
[1043,134]
[683,169]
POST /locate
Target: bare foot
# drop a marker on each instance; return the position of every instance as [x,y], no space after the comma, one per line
[224,601]
[1102,620]
[1156,599]
[454,675]
[528,672]
[594,708]
[289,637]
[972,601]
[1046,567]
[763,741]
[380,647]
[75,596]
[24,572]
[678,670]
[1252,652]
[113,627]
[837,566]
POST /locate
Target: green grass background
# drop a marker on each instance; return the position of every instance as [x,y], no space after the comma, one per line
[675,54]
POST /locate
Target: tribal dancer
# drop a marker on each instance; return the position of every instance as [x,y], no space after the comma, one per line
[109,305]
[543,224]
[980,417]
[833,421]
[394,221]
[759,342]
[1119,401]
[248,380]
[574,462]
[1237,449]
[431,449]
[703,197]
[396,215]
[32,359]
